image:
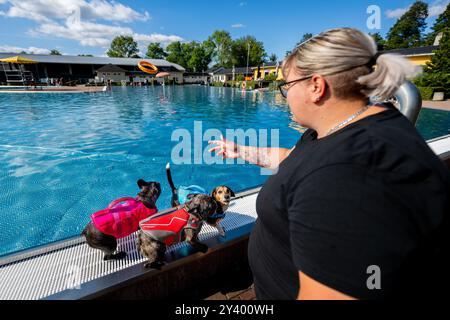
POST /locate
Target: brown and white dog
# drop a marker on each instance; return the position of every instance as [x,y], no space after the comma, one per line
[221,194]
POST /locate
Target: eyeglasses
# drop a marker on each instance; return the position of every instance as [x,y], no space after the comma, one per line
[284,87]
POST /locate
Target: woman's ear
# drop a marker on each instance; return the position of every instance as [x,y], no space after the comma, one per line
[318,89]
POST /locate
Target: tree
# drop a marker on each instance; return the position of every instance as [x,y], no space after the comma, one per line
[273,58]
[199,58]
[379,40]
[55,52]
[193,56]
[175,54]
[442,23]
[240,51]
[218,46]
[437,71]
[155,51]
[305,37]
[123,47]
[408,30]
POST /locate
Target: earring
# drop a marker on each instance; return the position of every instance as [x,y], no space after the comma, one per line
[317,99]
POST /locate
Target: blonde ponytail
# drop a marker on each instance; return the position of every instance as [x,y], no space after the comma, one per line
[344,57]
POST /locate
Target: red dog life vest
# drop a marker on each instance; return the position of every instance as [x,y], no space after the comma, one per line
[169,227]
[121,219]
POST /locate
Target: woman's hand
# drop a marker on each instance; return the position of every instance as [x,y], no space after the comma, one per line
[228,149]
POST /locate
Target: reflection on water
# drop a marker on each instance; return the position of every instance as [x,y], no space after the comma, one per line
[64,156]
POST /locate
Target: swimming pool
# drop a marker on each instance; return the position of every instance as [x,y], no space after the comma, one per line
[63,157]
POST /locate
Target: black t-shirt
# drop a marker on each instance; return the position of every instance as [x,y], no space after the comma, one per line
[371,199]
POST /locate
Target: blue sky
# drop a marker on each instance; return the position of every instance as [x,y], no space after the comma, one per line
[87,26]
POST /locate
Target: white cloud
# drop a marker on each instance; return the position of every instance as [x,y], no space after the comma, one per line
[84,21]
[156,37]
[14,49]
[438,7]
[47,10]
[241,4]
[396,13]
[238,25]
[95,34]
[434,9]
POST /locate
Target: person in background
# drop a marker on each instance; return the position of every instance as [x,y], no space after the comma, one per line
[358,208]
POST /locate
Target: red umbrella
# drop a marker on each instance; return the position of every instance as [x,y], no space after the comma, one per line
[162,74]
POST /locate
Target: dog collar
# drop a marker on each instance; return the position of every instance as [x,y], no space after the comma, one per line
[217,216]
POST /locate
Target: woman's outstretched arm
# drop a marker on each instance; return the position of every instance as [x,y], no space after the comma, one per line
[269,158]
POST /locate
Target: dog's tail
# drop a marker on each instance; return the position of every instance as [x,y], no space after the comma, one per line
[169,178]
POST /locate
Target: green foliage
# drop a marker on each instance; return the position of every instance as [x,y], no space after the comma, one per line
[199,58]
[408,30]
[273,86]
[426,93]
[304,38]
[155,51]
[240,77]
[55,52]
[381,43]
[440,61]
[437,71]
[247,47]
[271,77]
[123,47]
[176,54]
[441,24]
[193,56]
[273,58]
[251,85]
[218,45]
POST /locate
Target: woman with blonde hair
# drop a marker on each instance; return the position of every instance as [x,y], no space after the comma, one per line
[358,209]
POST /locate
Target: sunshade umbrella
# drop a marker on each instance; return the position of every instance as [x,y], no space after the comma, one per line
[18,60]
[162,74]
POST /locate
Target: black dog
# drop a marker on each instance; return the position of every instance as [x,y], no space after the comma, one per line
[161,230]
[149,194]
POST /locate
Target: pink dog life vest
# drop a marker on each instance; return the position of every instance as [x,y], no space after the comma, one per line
[121,219]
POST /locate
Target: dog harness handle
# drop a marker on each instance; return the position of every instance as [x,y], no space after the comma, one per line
[117,201]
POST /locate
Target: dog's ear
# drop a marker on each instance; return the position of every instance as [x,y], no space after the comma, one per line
[191,208]
[141,183]
[190,196]
[231,191]
[213,193]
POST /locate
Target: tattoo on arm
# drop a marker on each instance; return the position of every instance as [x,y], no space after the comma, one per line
[262,157]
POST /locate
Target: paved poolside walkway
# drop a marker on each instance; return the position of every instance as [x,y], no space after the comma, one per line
[437,105]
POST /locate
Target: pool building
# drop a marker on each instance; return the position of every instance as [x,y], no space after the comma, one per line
[82,69]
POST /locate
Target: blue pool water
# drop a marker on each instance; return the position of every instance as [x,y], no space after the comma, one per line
[65,156]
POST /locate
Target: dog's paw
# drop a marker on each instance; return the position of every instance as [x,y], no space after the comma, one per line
[120,255]
[108,257]
[201,247]
[154,265]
